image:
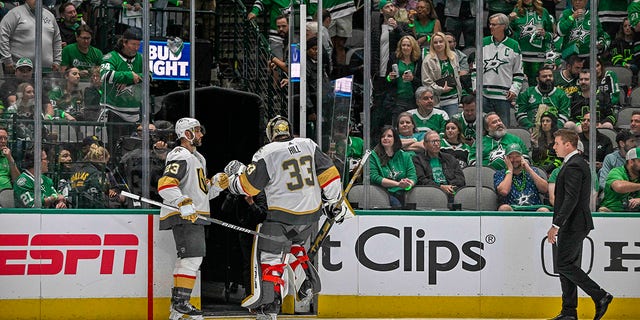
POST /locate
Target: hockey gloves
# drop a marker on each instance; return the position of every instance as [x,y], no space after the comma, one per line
[187,210]
[338,210]
[234,168]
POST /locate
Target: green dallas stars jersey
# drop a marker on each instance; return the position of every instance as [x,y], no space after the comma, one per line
[115,71]
[578,32]
[493,151]
[532,44]
[23,193]
[529,101]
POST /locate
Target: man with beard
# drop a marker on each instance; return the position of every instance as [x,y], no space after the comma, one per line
[519,186]
[184,185]
[425,116]
[121,73]
[622,187]
[467,118]
[495,142]
[580,104]
[546,96]
[603,143]
[625,141]
[567,78]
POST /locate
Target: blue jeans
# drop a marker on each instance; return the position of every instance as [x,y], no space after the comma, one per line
[500,107]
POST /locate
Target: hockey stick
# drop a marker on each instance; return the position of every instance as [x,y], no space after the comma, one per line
[212,220]
[328,223]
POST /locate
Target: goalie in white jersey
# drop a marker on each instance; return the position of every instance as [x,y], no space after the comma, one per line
[184,185]
[298,179]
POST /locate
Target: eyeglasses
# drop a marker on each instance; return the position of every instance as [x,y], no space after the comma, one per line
[434,141]
[2,138]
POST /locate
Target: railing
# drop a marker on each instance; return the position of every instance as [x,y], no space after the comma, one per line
[109,22]
[243,53]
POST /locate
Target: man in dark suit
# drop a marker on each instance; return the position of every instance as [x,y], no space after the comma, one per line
[571,224]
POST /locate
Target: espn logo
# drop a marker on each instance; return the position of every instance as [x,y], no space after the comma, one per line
[51,254]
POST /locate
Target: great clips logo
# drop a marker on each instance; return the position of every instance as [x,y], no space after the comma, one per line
[52,254]
[432,255]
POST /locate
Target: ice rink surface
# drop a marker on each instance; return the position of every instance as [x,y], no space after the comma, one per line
[296,317]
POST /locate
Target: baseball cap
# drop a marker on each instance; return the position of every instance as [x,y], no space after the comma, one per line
[24,62]
[382,3]
[633,154]
[132,34]
[91,140]
[514,147]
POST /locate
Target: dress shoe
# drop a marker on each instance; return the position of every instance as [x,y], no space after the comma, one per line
[564,317]
[602,305]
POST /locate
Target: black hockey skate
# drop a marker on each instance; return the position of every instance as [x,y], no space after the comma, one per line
[184,310]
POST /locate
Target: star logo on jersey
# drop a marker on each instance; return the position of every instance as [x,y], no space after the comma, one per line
[493,64]
[524,200]
[496,154]
[579,34]
[528,29]
[126,90]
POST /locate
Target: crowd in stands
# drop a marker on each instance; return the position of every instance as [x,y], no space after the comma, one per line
[535,78]
[91,101]
[536,81]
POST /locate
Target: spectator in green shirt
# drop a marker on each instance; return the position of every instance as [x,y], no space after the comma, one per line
[8,171]
[391,167]
[622,189]
[23,190]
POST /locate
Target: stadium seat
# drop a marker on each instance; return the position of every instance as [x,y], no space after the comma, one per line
[427,198]
[486,176]
[466,197]
[634,98]
[624,75]
[610,133]
[523,134]
[378,197]
[624,117]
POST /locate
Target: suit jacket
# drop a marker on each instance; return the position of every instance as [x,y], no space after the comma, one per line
[573,189]
[450,167]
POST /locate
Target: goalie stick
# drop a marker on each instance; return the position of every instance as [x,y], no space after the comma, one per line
[328,222]
[212,220]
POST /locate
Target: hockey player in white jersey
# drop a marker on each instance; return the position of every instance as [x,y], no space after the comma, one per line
[184,185]
[298,179]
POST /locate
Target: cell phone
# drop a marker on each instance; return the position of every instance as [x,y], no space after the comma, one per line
[407,72]
[395,68]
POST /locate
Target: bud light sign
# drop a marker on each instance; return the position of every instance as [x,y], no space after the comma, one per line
[169,60]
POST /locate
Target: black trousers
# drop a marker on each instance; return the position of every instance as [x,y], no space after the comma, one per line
[571,275]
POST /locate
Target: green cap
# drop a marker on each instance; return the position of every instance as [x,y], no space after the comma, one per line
[514,147]
[382,3]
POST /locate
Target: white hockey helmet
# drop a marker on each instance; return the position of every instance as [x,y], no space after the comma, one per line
[278,127]
[186,124]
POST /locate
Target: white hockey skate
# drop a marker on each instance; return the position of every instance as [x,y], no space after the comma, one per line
[185,310]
